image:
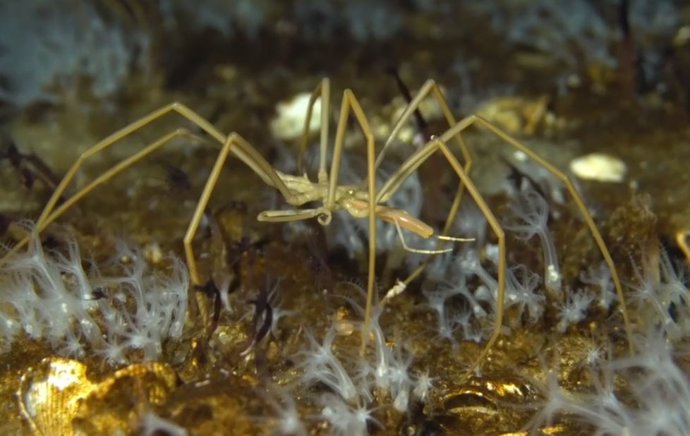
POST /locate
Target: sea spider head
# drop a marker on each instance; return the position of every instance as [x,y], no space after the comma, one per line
[354,200]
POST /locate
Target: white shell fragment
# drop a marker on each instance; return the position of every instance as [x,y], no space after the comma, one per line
[289,122]
[600,167]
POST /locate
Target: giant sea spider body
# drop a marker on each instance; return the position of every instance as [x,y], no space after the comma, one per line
[361,200]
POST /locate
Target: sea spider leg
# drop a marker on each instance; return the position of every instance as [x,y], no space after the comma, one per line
[422,154]
[577,198]
[50,213]
[430,88]
[410,166]
[323,90]
[324,213]
[248,154]
[349,102]
[243,150]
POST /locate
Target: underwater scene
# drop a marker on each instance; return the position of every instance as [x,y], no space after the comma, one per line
[310,217]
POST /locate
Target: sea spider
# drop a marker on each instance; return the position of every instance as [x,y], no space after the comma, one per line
[360,201]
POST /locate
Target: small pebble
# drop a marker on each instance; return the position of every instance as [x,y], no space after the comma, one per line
[598,166]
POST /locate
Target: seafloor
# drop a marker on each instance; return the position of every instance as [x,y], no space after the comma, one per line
[578,81]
